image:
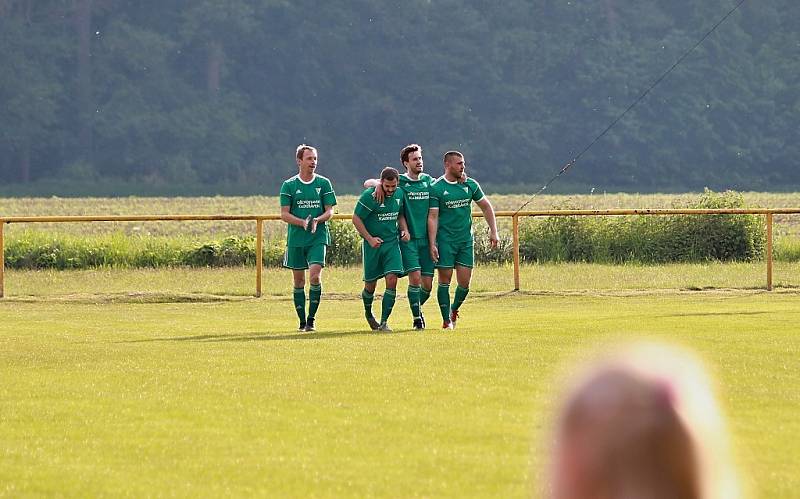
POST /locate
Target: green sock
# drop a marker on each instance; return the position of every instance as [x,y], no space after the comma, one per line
[413,300]
[314,296]
[443,296]
[367,298]
[461,295]
[424,294]
[299,295]
[387,304]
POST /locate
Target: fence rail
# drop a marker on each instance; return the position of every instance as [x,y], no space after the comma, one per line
[514,215]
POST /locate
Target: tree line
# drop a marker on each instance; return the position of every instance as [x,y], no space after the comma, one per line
[208,94]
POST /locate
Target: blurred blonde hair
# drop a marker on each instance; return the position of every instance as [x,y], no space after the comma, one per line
[642,424]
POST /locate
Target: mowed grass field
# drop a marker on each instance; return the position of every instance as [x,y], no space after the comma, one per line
[177,383]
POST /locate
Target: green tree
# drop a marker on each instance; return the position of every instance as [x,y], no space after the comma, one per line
[30,87]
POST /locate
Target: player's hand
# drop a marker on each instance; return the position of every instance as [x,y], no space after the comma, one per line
[306,221]
[314,222]
[375,242]
[494,241]
[435,254]
[379,195]
[406,236]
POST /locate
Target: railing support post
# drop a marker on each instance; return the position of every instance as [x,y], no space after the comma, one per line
[515,224]
[2,256]
[259,254]
[769,251]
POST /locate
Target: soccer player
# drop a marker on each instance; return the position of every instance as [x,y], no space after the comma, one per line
[378,223]
[307,202]
[417,263]
[450,236]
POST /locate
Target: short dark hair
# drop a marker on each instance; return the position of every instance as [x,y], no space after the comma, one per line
[389,173]
[450,154]
[302,148]
[408,150]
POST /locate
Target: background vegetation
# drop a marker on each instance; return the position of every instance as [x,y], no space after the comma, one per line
[629,239]
[111,97]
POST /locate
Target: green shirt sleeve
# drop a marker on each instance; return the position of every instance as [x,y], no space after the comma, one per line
[328,195]
[365,205]
[286,193]
[433,199]
[477,193]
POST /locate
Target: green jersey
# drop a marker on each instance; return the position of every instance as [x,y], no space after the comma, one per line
[454,201]
[380,219]
[307,199]
[417,203]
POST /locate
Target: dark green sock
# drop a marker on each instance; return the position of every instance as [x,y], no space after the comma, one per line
[389,296]
[314,296]
[443,297]
[424,294]
[299,295]
[413,300]
[461,295]
[367,298]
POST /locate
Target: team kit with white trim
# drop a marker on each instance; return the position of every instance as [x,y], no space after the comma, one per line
[414,198]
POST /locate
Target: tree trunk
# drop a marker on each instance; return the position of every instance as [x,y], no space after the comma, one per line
[25,162]
[214,75]
[611,16]
[83,25]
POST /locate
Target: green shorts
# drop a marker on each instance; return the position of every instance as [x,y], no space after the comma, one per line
[300,257]
[416,256]
[452,254]
[385,259]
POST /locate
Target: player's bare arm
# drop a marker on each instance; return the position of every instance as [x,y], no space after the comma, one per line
[488,214]
[326,215]
[378,195]
[405,234]
[374,242]
[433,226]
[287,217]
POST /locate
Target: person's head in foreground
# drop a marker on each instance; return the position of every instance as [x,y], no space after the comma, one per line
[642,425]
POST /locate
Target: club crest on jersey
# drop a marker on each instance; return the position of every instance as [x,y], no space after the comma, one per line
[318,189]
[466,189]
[397,201]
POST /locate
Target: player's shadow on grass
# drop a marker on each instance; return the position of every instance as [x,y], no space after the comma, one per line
[241,337]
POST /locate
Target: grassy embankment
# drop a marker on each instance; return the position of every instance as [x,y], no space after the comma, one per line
[785,225]
[160,243]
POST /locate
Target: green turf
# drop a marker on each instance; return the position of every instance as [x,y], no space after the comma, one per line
[105,393]
[113,284]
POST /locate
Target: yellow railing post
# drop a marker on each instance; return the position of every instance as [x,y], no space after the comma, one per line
[2,256]
[769,251]
[259,254]
[515,236]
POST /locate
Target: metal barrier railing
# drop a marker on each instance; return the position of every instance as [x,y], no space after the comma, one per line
[515,216]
